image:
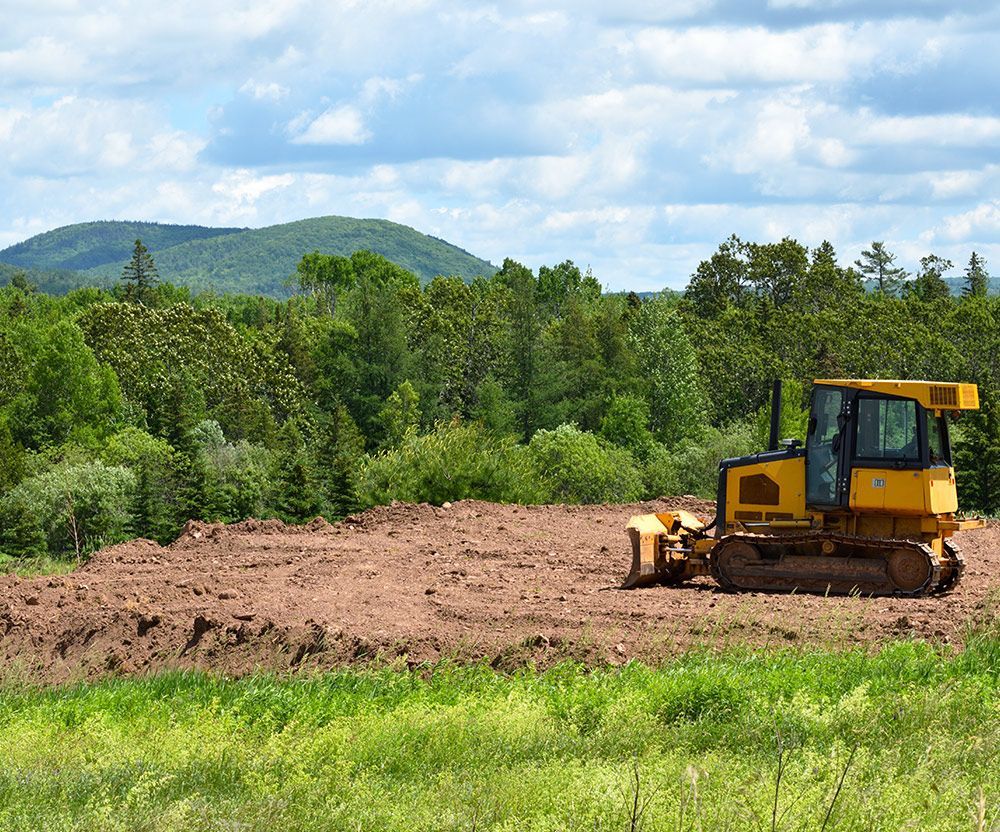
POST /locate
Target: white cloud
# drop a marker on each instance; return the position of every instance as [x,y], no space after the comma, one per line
[88,136]
[241,187]
[269,91]
[981,222]
[717,55]
[338,125]
[610,133]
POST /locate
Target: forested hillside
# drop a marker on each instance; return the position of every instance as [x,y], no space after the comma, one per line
[250,261]
[120,417]
[90,244]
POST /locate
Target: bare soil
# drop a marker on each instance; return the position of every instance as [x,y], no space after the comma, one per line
[412,583]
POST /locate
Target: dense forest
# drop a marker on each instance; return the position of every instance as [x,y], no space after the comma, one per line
[126,412]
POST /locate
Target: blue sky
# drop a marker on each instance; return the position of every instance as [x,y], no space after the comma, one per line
[631,136]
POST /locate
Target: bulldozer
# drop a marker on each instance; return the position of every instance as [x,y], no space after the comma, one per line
[867,504]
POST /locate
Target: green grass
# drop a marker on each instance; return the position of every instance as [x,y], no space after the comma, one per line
[462,748]
[37,566]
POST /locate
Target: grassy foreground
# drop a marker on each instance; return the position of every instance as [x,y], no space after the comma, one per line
[733,741]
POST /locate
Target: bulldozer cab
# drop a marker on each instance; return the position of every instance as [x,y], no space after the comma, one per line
[875,426]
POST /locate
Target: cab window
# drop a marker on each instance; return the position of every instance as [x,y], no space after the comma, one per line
[887,429]
[822,446]
[937,439]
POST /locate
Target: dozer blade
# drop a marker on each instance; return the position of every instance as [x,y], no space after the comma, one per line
[653,562]
[644,531]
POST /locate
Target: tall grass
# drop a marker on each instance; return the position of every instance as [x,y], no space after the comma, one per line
[907,738]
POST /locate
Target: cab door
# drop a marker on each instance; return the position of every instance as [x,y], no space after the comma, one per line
[887,464]
[824,447]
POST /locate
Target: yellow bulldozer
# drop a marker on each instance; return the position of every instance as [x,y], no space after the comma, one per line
[868,505]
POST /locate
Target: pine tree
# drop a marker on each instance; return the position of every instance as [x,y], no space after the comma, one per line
[140,275]
[977,280]
[977,457]
[929,284]
[298,493]
[878,264]
[338,450]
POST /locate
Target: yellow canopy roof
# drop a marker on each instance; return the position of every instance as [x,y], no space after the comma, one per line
[934,395]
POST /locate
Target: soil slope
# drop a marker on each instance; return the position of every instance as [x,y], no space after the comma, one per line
[411,583]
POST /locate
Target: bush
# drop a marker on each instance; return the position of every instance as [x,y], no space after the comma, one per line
[454,462]
[73,508]
[574,466]
[626,424]
[693,466]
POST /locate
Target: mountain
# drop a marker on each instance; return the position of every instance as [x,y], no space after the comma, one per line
[89,244]
[956,284]
[248,260]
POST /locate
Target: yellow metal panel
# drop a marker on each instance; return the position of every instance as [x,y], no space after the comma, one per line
[789,474]
[942,496]
[889,490]
[934,395]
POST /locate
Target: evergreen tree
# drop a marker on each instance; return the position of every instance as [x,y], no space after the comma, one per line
[929,284]
[977,457]
[826,285]
[339,449]
[878,264]
[139,275]
[522,338]
[298,497]
[977,280]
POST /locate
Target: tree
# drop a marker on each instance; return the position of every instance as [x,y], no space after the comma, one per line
[297,496]
[521,341]
[20,282]
[929,284]
[977,280]
[668,364]
[826,285]
[401,414]
[338,450]
[379,355]
[877,263]
[325,276]
[626,424]
[721,281]
[140,275]
[777,270]
[66,393]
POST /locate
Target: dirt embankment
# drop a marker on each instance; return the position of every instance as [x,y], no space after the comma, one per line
[471,581]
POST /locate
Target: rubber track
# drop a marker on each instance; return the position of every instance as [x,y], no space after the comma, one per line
[858,545]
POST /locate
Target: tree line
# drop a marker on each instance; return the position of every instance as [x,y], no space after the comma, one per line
[127,412]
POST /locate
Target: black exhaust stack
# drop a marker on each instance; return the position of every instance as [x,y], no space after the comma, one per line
[772,445]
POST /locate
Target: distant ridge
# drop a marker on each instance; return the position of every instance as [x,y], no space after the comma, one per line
[246,260]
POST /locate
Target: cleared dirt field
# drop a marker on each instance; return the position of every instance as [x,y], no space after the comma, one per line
[410,583]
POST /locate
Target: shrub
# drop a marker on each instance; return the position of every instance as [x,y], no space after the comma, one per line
[626,424]
[693,466]
[74,507]
[453,462]
[574,466]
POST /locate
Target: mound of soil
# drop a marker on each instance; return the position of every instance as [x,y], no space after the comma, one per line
[414,583]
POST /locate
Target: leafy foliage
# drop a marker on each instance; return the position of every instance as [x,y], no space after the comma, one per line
[577,467]
[522,386]
[452,462]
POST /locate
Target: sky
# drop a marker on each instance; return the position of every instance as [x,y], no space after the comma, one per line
[630,136]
